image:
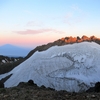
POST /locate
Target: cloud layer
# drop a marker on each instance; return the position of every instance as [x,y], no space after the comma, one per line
[37,31]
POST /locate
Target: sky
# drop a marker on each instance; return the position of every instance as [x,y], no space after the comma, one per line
[29,23]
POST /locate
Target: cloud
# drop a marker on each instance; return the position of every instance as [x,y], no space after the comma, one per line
[68,18]
[76,8]
[33,23]
[37,31]
[73,20]
[75,16]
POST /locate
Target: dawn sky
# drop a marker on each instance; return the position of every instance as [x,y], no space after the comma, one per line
[29,23]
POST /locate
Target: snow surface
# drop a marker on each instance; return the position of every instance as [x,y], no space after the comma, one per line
[3,61]
[73,67]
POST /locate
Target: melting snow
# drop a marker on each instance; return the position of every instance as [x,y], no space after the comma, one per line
[74,67]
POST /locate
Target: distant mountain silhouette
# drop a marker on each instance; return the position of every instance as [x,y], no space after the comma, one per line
[12,50]
[64,41]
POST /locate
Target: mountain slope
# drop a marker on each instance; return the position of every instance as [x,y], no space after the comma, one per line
[11,50]
[74,68]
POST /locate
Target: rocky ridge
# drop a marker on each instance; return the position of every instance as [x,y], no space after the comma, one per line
[8,63]
[64,41]
[6,59]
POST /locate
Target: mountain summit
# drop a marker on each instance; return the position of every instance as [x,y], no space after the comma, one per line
[73,67]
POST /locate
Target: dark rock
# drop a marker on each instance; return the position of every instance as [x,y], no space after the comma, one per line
[97,87]
[22,84]
[85,38]
[78,38]
[31,82]
[5,78]
[91,89]
[50,88]
[1,84]
[8,63]
[43,87]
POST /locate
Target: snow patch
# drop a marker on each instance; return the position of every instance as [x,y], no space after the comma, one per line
[3,61]
[74,67]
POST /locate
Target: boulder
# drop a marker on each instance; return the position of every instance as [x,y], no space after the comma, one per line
[31,82]
[1,84]
[85,38]
[97,87]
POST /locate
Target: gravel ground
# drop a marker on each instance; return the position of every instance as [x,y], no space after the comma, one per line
[27,92]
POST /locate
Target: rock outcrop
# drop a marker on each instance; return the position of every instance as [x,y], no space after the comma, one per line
[8,63]
[64,41]
[1,84]
[96,88]
[6,59]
